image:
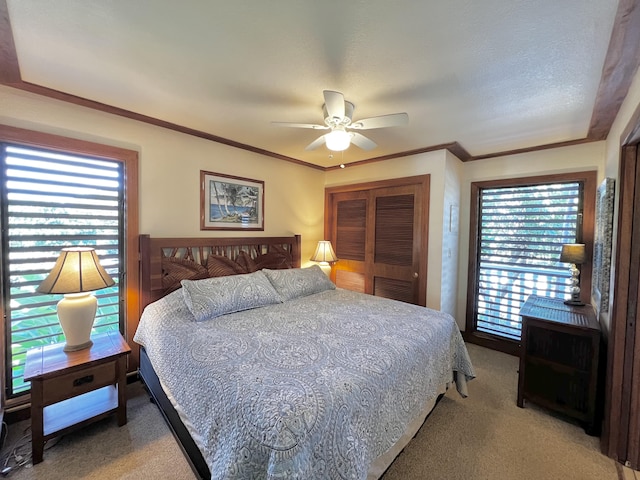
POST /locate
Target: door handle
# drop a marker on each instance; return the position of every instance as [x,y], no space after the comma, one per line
[82,380]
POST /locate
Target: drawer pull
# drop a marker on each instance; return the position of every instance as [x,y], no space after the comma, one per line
[82,380]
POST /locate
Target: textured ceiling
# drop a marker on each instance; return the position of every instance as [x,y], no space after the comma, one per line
[494,76]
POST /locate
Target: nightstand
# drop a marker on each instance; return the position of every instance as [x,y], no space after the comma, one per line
[559,359]
[72,389]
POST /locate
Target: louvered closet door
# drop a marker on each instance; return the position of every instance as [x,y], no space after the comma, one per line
[394,242]
[349,239]
[379,236]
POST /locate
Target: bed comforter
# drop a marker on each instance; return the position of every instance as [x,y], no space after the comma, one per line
[315,387]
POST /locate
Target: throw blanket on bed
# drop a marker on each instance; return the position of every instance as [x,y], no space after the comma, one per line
[315,387]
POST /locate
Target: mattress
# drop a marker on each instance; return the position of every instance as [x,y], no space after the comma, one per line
[323,385]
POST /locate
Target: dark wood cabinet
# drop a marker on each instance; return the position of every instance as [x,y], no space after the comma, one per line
[560,358]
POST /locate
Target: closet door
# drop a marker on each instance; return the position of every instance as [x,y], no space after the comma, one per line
[394,240]
[349,238]
[379,232]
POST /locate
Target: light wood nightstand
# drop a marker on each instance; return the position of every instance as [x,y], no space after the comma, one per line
[72,389]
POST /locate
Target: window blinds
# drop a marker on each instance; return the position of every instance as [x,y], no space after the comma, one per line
[52,200]
[521,232]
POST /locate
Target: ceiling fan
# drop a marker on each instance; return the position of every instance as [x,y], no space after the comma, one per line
[338,115]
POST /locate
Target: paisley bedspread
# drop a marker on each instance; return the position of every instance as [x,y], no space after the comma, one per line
[315,387]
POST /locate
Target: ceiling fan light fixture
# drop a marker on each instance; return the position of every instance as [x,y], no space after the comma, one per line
[337,118]
[338,140]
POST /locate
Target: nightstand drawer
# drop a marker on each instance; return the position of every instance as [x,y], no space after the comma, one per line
[65,386]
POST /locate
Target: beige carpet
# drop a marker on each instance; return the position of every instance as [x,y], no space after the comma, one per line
[485,436]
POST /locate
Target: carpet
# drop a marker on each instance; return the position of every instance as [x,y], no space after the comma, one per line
[485,436]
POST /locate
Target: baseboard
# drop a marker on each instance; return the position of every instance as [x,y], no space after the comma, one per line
[510,347]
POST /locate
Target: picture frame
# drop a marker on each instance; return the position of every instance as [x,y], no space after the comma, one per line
[601,275]
[228,202]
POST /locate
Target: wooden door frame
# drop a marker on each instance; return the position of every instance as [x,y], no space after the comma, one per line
[422,180]
[621,427]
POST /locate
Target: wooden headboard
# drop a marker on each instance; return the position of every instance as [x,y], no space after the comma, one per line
[164,262]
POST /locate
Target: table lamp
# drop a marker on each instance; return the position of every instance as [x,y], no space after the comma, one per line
[325,255]
[575,254]
[76,274]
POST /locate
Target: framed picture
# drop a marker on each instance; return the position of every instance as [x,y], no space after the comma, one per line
[603,244]
[230,203]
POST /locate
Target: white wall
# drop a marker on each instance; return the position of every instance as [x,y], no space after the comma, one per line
[169,169]
[450,184]
[454,173]
[294,195]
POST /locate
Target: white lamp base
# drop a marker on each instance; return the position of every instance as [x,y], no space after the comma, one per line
[326,268]
[76,312]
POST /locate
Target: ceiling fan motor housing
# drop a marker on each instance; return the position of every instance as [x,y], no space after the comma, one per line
[335,121]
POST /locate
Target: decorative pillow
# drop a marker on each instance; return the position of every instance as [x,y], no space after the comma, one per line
[246,262]
[219,266]
[275,258]
[175,269]
[212,297]
[299,282]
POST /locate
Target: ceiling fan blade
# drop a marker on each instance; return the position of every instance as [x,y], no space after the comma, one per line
[300,125]
[391,120]
[334,103]
[363,142]
[316,143]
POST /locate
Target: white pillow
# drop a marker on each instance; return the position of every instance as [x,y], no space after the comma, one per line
[212,297]
[299,282]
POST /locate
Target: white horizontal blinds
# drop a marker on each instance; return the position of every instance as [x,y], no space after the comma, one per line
[521,232]
[50,201]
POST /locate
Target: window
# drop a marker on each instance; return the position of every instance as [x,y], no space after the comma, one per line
[520,229]
[55,193]
[51,201]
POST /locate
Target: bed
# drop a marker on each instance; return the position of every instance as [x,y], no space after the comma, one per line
[264,369]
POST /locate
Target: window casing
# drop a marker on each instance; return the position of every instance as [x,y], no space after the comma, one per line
[100,178]
[518,227]
[50,201]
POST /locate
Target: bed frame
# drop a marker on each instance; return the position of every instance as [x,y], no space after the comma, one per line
[166,261]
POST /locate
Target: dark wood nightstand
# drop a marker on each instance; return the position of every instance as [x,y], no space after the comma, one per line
[559,359]
[72,389]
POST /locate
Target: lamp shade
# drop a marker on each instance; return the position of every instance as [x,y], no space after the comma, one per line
[324,253]
[76,270]
[573,253]
[338,139]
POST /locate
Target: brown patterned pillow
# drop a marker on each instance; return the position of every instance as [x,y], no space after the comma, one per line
[174,270]
[277,258]
[219,266]
[246,262]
